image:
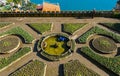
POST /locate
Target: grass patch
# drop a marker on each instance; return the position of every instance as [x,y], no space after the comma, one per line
[111,63]
[3,24]
[113,26]
[75,68]
[97,30]
[6,61]
[19,31]
[8,43]
[33,68]
[40,27]
[72,27]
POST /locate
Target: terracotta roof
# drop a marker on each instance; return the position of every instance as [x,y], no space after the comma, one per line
[50,7]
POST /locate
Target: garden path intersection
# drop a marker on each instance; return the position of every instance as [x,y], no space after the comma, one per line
[53,67]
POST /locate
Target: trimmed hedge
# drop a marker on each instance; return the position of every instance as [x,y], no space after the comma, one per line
[19,31]
[3,24]
[113,26]
[72,27]
[6,61]
[55,57]
[97,30]
[40,27]
[111,63]
[33,68]
[75,68]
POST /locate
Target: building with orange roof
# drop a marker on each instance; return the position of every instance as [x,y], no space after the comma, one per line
[48,7]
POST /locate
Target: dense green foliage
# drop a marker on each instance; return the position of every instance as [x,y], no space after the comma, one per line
[33,68]
[75,68]
[104,45]
[19,31]
[3,24]
[8,43]
[97,30]
[72,27]
[113,26]
[111,63]
[41,27]
[6,61]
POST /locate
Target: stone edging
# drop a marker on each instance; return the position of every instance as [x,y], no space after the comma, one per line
[15,61]
[45,69]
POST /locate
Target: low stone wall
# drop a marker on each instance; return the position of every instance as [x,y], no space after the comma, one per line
[89,14]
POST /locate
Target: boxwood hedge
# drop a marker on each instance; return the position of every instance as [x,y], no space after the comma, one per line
[19,31]
[111,63]
[98,30]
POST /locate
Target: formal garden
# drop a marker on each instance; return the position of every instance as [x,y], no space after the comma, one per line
[71,49]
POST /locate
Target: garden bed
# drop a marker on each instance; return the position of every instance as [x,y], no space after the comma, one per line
[113,26]
[104,45]
[40,27]
[19,31]
[4,62]
[75,68]
[55,46]
[96,30]
[9,44]
[112,64]
[33,68]
[71,28]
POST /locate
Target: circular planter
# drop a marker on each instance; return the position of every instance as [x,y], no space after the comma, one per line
[104,45]
[55,46]
[8,44]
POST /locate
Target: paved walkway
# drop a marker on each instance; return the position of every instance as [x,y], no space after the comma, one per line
[53,67]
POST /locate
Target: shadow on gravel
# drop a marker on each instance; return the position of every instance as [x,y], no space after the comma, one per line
[35,46]
[61,70]
[118,52]
[39,55]
[109,72]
